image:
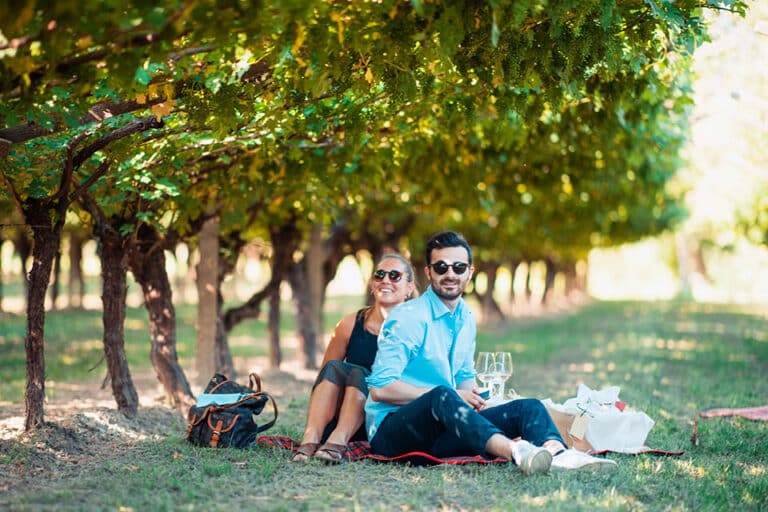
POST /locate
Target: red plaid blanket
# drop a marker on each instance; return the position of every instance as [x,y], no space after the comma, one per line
[750,413]
[644,449]
[360,450]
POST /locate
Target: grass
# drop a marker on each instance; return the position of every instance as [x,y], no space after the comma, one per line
[670,359]
[74,348]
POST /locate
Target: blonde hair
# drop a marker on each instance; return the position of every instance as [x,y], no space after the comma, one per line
[403,260]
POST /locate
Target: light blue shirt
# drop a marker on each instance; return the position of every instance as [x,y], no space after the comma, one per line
[424,344]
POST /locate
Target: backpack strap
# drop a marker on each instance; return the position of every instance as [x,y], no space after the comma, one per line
[271,423]
[254,382]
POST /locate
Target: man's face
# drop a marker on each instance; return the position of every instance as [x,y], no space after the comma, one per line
[450,285]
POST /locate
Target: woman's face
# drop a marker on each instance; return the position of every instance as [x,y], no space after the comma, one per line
[389,283]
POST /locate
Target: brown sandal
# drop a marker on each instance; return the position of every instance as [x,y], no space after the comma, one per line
[332,453]
[304,452]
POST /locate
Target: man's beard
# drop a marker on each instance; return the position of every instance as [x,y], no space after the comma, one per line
[447,295]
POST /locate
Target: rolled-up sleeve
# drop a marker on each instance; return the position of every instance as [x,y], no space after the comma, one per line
[398,341]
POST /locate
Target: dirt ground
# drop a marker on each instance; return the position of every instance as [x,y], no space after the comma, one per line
[83,424]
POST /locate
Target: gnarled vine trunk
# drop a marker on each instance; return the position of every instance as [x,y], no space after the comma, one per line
[46,236]
[273,327]
[491,310]
[147,263]
[113,274]
[549,280]
[55,284]
[318,266]
[2,241]
[305,325]
[514,265]
[285,240]
[76,288]
[222,354]
[24,249]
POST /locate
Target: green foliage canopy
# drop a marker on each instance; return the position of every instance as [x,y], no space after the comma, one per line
[536,126]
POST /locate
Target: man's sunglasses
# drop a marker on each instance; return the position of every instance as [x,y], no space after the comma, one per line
[441,267]
[394,275]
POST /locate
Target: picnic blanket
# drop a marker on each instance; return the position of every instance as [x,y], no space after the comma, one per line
[750,413]
[360,450]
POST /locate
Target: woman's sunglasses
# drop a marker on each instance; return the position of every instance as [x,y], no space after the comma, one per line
[394,275]
[441,267]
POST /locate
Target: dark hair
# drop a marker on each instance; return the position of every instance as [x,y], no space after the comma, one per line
[446,239]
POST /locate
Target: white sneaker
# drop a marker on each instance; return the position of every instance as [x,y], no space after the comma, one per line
[575,459]
[530,459]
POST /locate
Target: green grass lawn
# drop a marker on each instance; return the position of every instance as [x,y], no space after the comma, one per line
[74,348]
[671,360]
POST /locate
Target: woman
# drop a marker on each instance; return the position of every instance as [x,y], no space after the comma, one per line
[335,414]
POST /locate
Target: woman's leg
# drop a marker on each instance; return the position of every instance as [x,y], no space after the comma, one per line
[351,416]
[352,410]
[323,404]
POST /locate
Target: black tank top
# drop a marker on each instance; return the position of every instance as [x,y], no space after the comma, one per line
[362,346]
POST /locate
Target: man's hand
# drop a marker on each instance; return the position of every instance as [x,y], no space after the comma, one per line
[472,398]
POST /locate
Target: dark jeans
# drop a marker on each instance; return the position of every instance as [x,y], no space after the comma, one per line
[442,424]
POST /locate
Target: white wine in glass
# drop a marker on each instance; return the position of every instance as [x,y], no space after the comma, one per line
[504,370]
[484,367]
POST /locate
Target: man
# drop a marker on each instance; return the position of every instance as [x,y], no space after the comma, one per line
[422,385]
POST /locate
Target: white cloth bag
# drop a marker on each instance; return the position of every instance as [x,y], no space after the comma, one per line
[608,427]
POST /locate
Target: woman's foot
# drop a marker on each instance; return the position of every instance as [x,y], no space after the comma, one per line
[332,453]
[304,452]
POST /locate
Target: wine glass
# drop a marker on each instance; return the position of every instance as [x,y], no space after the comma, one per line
[504,370]
[484,367]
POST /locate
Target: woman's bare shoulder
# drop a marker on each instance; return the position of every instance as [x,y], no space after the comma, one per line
[345,325]
[337,346]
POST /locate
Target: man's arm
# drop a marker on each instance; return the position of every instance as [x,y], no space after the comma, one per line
[397,393]
[401,393]
[395,350]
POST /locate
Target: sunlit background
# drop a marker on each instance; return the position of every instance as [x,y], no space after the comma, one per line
[727,159]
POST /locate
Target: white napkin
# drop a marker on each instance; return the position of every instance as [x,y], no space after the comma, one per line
[592,402]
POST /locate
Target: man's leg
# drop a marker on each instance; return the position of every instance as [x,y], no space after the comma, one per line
[441,423]
[417,425]
[525,418]
[529,419]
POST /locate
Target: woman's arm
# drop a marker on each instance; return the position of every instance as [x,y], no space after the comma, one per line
[337,345]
